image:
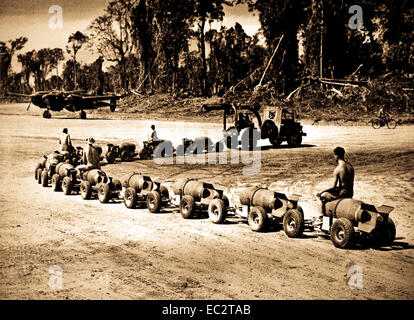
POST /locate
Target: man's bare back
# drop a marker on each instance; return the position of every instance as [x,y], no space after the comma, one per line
[344,176]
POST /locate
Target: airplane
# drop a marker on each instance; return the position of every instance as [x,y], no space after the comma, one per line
[77,100]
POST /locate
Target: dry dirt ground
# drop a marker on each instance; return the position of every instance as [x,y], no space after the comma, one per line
[111,252]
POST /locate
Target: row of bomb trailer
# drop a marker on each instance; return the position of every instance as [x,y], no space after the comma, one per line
[345,220]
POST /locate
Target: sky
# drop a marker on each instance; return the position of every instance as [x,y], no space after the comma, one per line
[31,18]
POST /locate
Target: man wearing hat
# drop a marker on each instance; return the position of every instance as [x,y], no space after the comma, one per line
[65,141]
[90,156]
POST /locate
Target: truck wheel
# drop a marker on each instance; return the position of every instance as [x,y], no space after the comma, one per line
[187,207]
[85,190]
[275,141]
[67,186]
[342,233]
[104,193]
[130,198]
[110,157]
[39,175]
[154,201]
[293,223]
[164,192]
[55,182]
[294,140]
[44,178]
[217,211]
[257,218]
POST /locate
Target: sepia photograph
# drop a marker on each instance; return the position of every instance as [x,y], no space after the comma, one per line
[235,151]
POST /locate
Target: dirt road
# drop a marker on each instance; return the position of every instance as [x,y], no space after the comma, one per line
[111,252]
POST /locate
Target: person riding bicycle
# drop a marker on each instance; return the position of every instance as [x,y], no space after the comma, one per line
[382,114]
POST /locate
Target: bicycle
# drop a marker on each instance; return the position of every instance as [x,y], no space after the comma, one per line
[381,122]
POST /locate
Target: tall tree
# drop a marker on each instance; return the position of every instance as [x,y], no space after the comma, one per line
[207,10]
[6,56]
[75,42]
[111,35]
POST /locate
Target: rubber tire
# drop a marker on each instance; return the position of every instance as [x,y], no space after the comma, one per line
[44,178]
[257,218]
[85,190]
[153,201]
[376,123]
[294,142]
[104,193]
[56,182]
[391,124]
[38,166]
[39,175]
[344,225]
[275,141]
[110,157]
[130,198]
[217,211]
[295,216]
[67,186]
[187,207]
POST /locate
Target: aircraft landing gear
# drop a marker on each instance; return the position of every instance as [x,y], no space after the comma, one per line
[47,114]
[83,115]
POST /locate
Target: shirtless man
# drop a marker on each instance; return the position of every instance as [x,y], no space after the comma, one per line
[343,179]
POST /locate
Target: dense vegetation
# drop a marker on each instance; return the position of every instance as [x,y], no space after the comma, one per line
[167,46]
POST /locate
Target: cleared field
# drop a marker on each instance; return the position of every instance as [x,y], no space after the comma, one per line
[110,252]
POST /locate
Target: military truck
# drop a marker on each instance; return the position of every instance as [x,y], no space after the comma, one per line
[274,123]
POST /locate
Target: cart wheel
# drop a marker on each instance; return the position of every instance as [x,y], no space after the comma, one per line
[85,190]
[130,198]
[154,201]
[44,178]
[39,166]
[217,211]
[67,186]
[293,223]
[257,218]
[342,233]
[55,182]
[187,207]
[104,193]
[39,175]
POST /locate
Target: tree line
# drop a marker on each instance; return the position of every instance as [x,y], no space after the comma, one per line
[169,46]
